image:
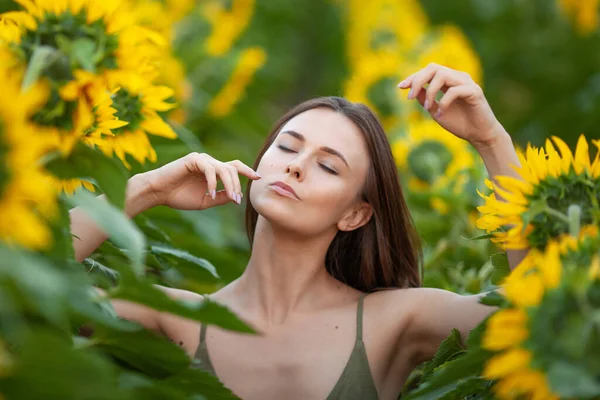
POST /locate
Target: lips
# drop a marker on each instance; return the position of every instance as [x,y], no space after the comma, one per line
[284,189]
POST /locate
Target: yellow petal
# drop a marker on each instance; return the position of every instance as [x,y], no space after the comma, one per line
[507,363]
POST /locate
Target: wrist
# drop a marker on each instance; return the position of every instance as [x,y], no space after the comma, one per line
[139,196]
[497,138]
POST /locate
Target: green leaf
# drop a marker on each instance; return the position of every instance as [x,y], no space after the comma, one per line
[185,256]
[493,298]
[572,381]
[480,237]
[42,58]
[205,311]
[116,224]
[143,350]
[470,387]
[501,267]
[83,50]
[446,378]
[87,162]
[48,367]
[450,348]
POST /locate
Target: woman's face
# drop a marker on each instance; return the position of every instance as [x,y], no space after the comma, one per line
[312,174]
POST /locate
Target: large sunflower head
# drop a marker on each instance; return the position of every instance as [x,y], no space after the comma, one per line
[27,198]
[137,103]
[558,192]
[551,326]
[58,41]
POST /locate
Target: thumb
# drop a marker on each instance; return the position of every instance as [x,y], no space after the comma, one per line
[220,199]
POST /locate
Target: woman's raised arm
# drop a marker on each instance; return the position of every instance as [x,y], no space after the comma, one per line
[188,183]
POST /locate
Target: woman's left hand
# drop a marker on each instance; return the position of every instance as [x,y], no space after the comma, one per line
[463,109]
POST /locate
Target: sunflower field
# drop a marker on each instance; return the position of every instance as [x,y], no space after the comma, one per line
[97,91]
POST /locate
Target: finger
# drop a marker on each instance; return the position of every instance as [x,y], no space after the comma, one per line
[210,174]
[405,84]
[236,183]
[225,177]
[437,83]
[420,79]
[221,198]
[453,93]
[433,108]
[244,169]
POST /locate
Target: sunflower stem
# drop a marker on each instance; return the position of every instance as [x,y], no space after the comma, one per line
[557,214]
[574,213]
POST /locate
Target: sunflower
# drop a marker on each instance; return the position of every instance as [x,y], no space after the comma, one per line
[27,198]
[557,193]
[249,61]
[226,24]
[433,159]
[60,39]
[553,295]
[584,13]
[137,103]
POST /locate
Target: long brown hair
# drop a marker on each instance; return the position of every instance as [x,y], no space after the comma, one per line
[384,253]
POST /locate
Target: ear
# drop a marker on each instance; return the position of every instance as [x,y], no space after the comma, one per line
[358,216]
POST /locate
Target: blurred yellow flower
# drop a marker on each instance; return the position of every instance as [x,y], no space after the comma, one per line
[505,329]
[584,13]
[450,47]
[433,159]
[226,24]
[249,61]
[27,197]
[390,26]
[137,103]
[546,183]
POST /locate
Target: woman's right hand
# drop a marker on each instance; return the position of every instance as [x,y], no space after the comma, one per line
[190,182]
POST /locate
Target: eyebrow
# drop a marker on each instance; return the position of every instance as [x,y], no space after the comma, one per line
[326,149]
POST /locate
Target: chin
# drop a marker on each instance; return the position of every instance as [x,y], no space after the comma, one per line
[281,212]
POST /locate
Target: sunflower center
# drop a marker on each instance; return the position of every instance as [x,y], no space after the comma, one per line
[4,170]
[77,44]
[429,160]
[559,193]
[129,109]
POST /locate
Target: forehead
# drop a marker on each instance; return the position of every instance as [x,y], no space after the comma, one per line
[325,127]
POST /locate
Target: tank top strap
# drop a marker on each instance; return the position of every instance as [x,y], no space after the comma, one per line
[359,316]
[202,332]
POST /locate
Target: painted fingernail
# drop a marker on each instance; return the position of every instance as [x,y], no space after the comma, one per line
[426,104]
[213,194]
[410,93]
[239,198]
[438,114]
[233,196]
[403,84]
[257,174]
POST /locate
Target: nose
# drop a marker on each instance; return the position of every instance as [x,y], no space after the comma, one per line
[295,169]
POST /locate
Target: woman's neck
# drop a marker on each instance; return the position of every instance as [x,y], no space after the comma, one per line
[286,273]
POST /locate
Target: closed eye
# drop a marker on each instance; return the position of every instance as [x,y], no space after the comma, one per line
[328,169]
[285,149]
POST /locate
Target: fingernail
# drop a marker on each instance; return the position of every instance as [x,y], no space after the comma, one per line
[239,199]
[213,194]
[438,114]
[233,196]
[403,84]
[410,93]
[257,174]
[426,104]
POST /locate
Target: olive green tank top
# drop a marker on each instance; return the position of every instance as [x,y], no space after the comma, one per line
[356,381]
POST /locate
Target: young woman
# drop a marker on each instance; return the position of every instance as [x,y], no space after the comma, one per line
[328,224]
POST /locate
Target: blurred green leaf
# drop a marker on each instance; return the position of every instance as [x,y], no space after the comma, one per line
[116,224]
[205,311]
[185,257]
[87,162]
